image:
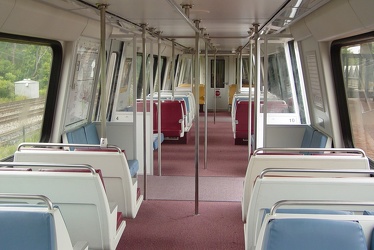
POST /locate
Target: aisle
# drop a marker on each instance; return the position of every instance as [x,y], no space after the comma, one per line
[224,158]
[167,220]
[183,188]
[173,225]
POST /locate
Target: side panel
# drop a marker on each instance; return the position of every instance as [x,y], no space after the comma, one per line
[316,85]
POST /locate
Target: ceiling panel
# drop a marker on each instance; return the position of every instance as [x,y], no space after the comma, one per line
[226,22]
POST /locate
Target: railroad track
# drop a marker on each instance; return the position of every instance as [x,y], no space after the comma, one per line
[19,116]
[20,119]
[11,107]
[15,135]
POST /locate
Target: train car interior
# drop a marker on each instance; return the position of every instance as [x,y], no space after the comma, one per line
[186,124]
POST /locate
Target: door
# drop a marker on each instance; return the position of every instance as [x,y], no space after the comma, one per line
[218,92]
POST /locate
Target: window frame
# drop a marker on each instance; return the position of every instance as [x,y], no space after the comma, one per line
[54,78]
[339,79]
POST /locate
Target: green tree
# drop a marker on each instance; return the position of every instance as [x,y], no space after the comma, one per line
[23,61]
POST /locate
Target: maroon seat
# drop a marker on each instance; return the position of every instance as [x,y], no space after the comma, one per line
[241,121]
[172,118]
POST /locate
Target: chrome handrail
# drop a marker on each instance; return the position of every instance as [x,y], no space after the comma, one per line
[47,201]
[323,171]
[316,203]
[43,164]
[40,144]
[298,150]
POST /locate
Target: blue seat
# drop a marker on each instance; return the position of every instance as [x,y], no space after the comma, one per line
[155,140]
[133,166]
[319,140]
[311,234]
[24,230]
[91,134]
[307,138]
[87,134]
[77,136]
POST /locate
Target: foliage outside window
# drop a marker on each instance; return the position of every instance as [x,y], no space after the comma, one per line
[24,77]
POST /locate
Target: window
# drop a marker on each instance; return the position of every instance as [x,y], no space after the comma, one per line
[157,71]
[285,93]
[125,95]
[356,67]
[83,83]
[220,73]
[246,73]
[27,87]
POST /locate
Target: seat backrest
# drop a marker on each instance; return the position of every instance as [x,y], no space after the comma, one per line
[241,117]
[301,233]
[259,162]
[172,118]
[269,190]
[80,197]
[27,230]
[319,140]
[91,134]
[186,109]
[87,134]
[28,226]
[119,185]
[307,138]
[77,136]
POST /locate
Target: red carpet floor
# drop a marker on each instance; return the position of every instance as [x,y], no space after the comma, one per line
[224,157]
[173,225]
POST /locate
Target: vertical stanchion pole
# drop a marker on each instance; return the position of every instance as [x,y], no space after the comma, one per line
[240,71]
[103,97]
[172,67]
[144,76]
[150,84]
[197,82]
[257,81]
[159,104]
[215,85]
[250,72]
[238,79]
[264,107]
[206,106]
[135,94]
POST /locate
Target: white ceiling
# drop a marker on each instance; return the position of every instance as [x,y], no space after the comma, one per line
[226,21]
[220,18]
